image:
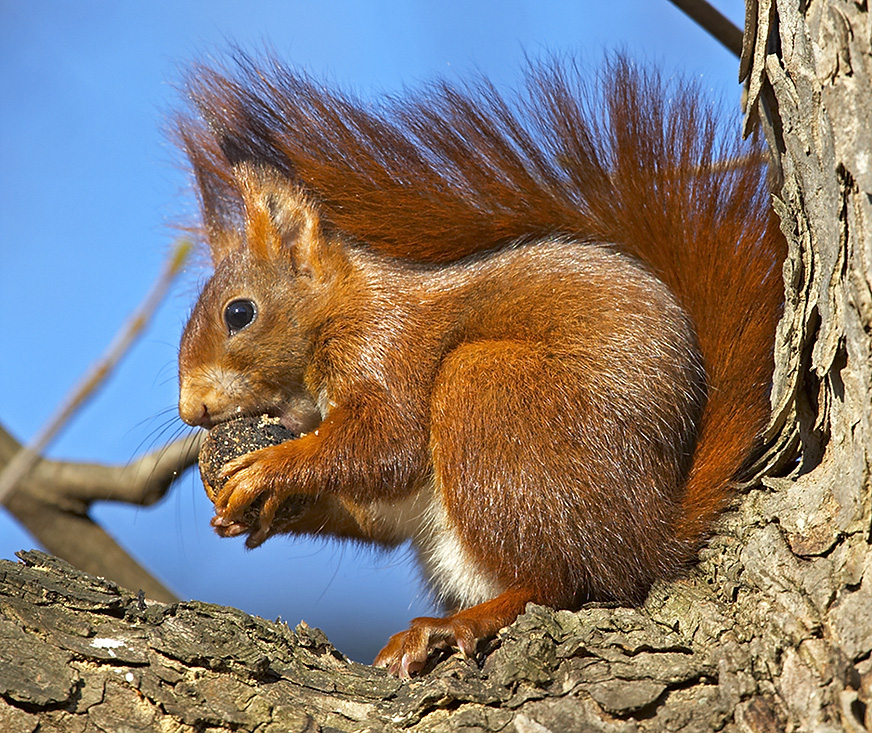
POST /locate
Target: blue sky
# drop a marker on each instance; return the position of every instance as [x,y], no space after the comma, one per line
[90,189]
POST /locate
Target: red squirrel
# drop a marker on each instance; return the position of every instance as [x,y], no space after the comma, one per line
[533,337]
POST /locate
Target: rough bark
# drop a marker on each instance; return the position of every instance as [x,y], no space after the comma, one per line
[773,629]
[809,76]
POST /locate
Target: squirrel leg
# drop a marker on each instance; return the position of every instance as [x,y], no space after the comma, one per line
[494,448]
[407,652]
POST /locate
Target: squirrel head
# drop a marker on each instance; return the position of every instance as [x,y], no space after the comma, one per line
[250,337]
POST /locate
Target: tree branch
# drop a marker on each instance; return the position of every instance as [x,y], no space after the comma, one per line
[193,666]
[53,500]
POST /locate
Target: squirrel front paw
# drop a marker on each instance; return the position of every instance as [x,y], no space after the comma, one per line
[255,486]
[227,441]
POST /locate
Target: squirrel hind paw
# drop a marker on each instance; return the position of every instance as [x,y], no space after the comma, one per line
[407,652]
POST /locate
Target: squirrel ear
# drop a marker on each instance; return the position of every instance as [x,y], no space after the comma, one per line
[281,221]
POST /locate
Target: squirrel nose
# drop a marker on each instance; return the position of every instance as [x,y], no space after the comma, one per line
[193,408]
[196,415]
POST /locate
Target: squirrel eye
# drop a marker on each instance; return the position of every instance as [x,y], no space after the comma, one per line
[238,314]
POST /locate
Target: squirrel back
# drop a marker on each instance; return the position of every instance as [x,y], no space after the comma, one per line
[460,180]
[634,162]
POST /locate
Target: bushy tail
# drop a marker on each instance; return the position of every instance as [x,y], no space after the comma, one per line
[436,176]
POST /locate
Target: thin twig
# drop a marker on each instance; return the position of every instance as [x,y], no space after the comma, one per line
[713,21]
[129,332]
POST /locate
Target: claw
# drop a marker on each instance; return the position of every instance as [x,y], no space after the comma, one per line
[406,653]
[257,537]
[228,528]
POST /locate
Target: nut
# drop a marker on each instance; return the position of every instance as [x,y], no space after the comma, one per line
[234,438]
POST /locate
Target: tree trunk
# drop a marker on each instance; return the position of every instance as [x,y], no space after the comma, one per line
[772,630]
[806,544]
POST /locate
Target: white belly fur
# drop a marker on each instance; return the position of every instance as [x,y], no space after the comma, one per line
[455,578]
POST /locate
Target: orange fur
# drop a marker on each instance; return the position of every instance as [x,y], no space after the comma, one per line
[535,337]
